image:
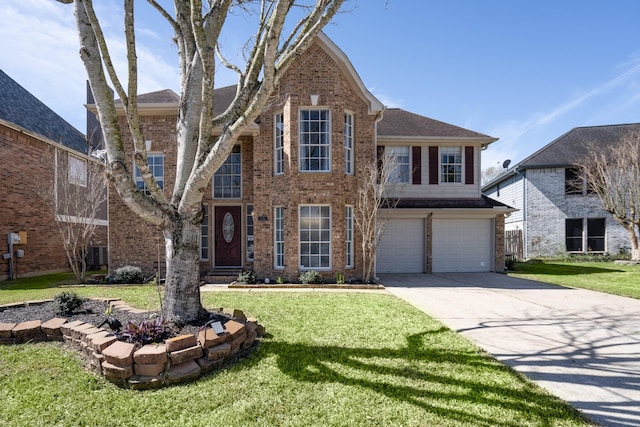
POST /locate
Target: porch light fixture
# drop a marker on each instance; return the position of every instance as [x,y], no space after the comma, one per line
[147,144]
[314,99]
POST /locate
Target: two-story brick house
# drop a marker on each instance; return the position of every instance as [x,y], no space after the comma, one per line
[554,216]
[283,202]
[31,137]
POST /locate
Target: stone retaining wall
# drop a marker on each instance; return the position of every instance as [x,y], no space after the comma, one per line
[178,360]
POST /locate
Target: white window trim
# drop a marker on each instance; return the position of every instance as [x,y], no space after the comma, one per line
[277,209]
[213,179]
[249,214]
[135,168]
[300,266]
[77,173]
[278,150]
[206,212]
[349,167]
[349,242]
[329,143]
[462,165]
[387,154]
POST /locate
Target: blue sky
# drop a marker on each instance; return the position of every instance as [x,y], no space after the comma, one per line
[525,72]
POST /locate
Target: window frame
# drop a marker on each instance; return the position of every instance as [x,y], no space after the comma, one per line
[590,237]
[348,238]
[278,238]
[204,234]
[249,229]
[278,144]
[77,170]
[322,243]
[323,136]
[151,160]
[456,165]
[404,177]
[237,150]
[574,238]
[348,143]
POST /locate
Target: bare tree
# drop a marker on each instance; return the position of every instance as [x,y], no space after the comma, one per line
[491,173]
[197,28]
[73,187]
[376,185]
[613,174]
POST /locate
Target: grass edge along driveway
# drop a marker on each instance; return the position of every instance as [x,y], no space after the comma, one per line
[608,277]
[329,360]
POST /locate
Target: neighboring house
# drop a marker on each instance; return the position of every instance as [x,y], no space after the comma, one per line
[30,132]
[555,217]
[283,202]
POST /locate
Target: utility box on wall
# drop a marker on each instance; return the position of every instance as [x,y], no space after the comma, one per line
[23,237]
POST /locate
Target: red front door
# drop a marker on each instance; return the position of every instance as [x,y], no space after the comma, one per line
[228,236]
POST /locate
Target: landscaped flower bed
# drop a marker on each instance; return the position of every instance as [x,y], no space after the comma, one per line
[178,359]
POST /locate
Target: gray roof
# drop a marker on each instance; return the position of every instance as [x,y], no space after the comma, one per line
[21,108]
[573,145]
[398,122]
[166,96]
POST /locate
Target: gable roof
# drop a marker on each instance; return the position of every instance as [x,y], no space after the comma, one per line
[572,146]
[20,108]
[569,148]
[400,123]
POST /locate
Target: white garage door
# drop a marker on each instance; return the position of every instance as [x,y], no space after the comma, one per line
[401,249]
[462,245]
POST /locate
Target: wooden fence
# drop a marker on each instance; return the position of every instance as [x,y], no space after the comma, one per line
[513,245]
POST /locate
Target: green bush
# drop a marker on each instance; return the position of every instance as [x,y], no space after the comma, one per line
[248,277]
[128,274]
[310,277]
[68,302]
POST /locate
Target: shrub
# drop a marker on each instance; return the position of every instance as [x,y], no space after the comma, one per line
[248,277]
[310,277]
[128,274]
[68,302]
[145,332]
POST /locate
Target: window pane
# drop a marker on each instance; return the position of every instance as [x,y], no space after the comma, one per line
[573,233]
[451,164]
[315,236]
[596,234]
[227,181]
[315,140]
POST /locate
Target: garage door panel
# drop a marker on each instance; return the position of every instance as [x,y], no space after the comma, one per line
[401,248]
[462,245]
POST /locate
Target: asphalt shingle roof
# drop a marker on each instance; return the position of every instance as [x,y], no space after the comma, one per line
[398,122]
[573,145]
[21,108]
[483,202]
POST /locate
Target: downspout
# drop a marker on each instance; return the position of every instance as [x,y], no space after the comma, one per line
[525,254]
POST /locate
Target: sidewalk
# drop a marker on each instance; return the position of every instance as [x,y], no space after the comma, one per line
[582,346]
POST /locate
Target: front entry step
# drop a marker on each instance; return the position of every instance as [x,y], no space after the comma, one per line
[222,275]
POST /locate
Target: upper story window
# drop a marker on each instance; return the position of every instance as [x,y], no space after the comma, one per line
[315,140]
[227,181]
[278,148]
[348,143]
[156,164]
[451,164]
[574,183]
[77,171]
[398,159]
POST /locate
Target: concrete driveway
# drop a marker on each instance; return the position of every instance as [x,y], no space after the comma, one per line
[582,346]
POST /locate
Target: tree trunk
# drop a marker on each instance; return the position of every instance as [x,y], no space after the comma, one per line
[182,288]
[635,243]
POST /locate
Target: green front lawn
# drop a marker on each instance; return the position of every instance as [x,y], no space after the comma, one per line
[606,277]
[330,359]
